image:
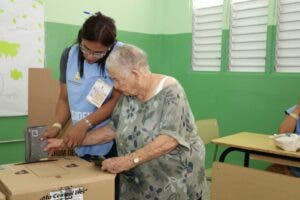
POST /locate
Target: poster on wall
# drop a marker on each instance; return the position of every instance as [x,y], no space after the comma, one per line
[21,47]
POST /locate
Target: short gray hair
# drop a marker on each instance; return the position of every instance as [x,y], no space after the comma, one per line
[127,57]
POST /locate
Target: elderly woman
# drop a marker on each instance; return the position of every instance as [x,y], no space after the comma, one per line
[160,154]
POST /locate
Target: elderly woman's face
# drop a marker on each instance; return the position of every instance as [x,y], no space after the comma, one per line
[124,83]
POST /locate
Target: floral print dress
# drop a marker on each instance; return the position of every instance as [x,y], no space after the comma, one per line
[178,175]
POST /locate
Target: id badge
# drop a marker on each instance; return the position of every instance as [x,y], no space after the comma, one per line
[98,93]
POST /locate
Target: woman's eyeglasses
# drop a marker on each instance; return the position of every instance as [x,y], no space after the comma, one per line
[87,51]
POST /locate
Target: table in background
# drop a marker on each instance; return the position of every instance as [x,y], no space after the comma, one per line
[257,146]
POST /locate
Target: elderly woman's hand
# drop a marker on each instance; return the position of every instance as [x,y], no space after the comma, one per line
[117,164]
[53,145]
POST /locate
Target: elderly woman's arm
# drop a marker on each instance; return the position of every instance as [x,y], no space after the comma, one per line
[161,145]
[77,133]
[99,136]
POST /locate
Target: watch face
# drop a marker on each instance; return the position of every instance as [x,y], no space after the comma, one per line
[136,160]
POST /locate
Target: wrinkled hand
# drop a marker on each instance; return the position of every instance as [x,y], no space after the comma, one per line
[54,144]
[76,134]
[117,164]
[51,132]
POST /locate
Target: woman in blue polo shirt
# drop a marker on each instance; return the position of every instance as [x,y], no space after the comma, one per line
[81,66]
[291,124]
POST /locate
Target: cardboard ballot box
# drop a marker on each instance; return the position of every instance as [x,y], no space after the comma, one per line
[64,178]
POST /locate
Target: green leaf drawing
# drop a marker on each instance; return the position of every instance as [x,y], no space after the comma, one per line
[9,49]
[16,74]
[40,1]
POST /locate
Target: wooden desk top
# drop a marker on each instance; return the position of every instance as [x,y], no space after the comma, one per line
[253,141]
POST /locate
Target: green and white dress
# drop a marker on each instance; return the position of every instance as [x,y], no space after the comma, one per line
[177,175]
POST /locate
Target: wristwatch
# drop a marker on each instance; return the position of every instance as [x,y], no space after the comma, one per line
[135,158]
[57,125]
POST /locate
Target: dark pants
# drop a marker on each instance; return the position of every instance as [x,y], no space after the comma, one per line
[112,153]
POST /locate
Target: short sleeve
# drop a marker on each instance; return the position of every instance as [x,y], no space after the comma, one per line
[114,123]
[63,64]
[174,115]
[290,110]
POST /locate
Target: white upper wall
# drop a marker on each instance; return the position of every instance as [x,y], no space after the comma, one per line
[144,16]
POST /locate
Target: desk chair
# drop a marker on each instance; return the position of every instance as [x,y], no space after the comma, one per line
[208,130]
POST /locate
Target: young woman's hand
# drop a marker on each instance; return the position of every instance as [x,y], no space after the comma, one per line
[51,132]
[75,136]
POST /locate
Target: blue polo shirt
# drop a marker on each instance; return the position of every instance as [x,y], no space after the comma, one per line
[295,170]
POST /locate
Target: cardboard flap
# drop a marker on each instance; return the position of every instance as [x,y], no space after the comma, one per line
[43,92]
[230,182]
[3,189]
[52,169]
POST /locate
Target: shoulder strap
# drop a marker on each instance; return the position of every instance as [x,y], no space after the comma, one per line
[161,85]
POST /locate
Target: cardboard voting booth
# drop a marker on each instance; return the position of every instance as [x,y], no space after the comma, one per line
[231,182]
[63,178]
[43,92]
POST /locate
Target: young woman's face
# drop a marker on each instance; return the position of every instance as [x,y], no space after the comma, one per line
[92,50]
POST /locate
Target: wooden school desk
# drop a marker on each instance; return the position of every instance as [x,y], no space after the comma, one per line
[232,182]
[257,146]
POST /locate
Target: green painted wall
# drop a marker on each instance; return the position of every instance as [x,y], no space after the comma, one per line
[61,26]
[240,101]
[12,128]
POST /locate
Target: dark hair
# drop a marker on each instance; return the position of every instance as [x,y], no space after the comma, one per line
[99,28]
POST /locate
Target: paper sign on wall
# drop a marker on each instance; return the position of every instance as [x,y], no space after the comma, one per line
[21,46]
